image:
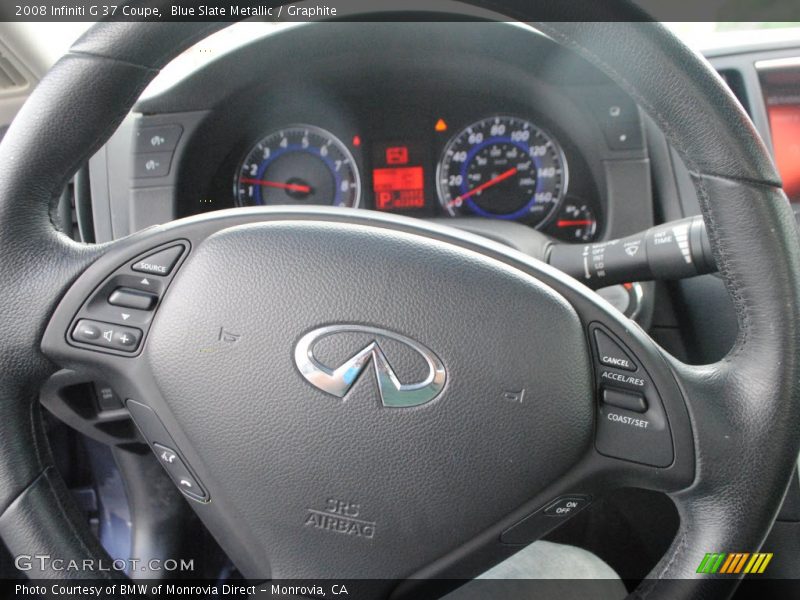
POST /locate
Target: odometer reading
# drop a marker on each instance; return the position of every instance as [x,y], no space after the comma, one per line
[298,165]
[502,168]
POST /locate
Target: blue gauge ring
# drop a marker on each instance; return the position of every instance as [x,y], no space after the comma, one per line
[337,199]
[522,211]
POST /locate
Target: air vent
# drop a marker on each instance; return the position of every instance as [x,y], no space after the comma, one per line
[11,78]
[735,82]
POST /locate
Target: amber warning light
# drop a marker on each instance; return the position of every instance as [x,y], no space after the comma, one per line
[398,188]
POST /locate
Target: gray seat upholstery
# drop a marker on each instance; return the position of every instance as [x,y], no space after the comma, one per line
[546,570]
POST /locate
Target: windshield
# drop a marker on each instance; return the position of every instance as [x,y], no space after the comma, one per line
[714,35]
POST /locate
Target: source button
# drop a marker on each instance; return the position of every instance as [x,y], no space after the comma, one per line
[160,263]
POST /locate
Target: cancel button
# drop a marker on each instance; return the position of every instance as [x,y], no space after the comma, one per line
[610,354]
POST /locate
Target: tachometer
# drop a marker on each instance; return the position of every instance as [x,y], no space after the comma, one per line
[502,168]
[298,165]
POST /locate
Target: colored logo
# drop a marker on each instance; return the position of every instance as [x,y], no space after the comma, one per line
[734,563]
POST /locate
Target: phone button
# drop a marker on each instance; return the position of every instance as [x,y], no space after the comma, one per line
[176,468]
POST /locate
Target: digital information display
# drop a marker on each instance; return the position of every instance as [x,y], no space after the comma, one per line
[784,121]
[398,177]
[782,96]
[398,188]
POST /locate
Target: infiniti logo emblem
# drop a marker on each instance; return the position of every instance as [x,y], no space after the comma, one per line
[340,379]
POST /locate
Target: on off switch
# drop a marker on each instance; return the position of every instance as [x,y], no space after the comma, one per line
[537,524]
[566,506]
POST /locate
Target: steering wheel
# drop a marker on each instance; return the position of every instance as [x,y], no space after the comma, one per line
[347,394]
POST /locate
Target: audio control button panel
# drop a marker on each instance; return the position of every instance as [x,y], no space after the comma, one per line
[117,315]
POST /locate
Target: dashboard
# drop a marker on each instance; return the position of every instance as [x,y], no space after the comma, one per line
[452,121]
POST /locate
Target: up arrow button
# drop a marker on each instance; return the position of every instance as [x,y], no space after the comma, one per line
[160,263]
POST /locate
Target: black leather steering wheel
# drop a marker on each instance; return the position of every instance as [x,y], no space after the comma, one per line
[446,484]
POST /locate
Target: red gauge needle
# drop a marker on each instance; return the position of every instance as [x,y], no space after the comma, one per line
[574,223]
[292,187]
[494,180]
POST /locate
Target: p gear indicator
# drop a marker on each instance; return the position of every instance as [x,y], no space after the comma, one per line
[399,188]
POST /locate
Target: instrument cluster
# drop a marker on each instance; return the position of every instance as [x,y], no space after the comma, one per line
[503,166]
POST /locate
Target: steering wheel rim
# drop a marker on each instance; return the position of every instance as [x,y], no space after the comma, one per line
[747,400]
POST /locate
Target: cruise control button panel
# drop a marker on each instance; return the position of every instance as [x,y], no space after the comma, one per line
[117,315]
[631,421]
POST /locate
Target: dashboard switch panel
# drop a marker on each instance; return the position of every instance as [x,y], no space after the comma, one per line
[158,138]
[623,136]
[155,164]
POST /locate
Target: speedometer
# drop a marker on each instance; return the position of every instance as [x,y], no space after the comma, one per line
[502,168]
[300,164]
